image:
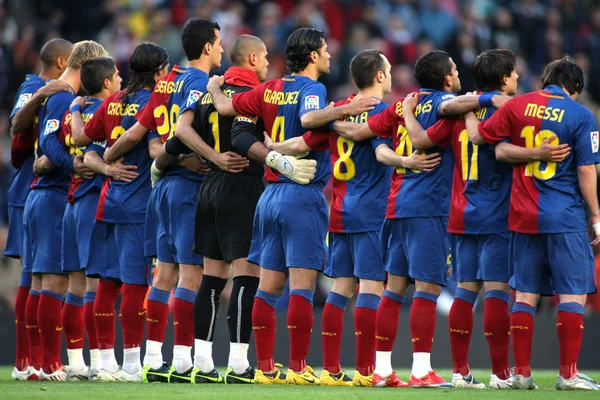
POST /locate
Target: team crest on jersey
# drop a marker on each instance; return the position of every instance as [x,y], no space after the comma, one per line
[23,99]
[311,102]
[101,144]
[51,126]
[193,97]
[595,138]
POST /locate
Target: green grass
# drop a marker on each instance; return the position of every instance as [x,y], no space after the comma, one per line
[91,391]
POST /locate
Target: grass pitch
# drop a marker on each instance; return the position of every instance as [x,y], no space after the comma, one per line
[93,390]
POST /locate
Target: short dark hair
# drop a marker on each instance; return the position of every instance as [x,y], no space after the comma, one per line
[94,71]
[432,68]
[196,34]
[564,73]
[491,66]
[299,46]
[365,66]
[53,49]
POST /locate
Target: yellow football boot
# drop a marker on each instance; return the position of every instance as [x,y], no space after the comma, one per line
[339,379]
[274,378]
[362,380]
[308,377]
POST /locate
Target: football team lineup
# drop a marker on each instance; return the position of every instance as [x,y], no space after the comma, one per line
[223,177]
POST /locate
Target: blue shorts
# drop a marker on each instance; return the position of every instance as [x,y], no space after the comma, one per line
[544,263]
[151,226]
[175,207]
[116,253]
[355,254]
[43,216]
[481,258]
[15,239]
[290,226]
[77,232]
[417,248]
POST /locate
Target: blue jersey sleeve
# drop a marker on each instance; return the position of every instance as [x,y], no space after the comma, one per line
[25,93]
[314,97]
[152,135]
[195,87]
[377,141]
[441,99]
[56,107]
[587,142]
[98,147]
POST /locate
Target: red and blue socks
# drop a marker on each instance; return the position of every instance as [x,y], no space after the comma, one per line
[496,326]
[158,315]
[51,327]
[300,322]
[183,321]
[570,334]
[521,325]
[73,324]
[90,329]
[460,325]
[264,327]
[422,329]
[105,320]
[33,330]
[365,316]
[386,328]
[22,359]
[331,330]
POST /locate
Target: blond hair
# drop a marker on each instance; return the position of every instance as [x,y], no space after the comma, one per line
[83,51]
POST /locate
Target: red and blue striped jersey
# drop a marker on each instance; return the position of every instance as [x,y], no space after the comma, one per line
[281,103]
[79,186]
[23,145]
[173,94]
[546,197]
[123,202]
[415,193]
[481,184]
[52,116]
[360,183]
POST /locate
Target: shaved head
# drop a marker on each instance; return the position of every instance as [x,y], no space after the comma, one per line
[54,49]
[242,47]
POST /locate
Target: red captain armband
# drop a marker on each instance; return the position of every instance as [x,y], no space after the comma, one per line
[317,139]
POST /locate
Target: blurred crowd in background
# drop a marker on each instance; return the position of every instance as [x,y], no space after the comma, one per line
[537,31]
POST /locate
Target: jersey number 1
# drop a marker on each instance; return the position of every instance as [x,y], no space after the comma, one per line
[533,140]
[473,174]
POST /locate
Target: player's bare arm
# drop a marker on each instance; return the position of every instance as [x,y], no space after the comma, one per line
[472,124]
[416,161]
[470,102]
[77,124]
[228,161]
[293,146]
[117,170]
[81,169]
[222,103]
[191,162]
[42,165]
[513,154]
[24,118]
[587,177]
[125,143]
[353,131]
[318,118]
[418,135]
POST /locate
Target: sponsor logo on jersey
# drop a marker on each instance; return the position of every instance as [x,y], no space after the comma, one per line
[193,97]
[23,99]
[595,138]
[448,96]
[311,102]
[51,126]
